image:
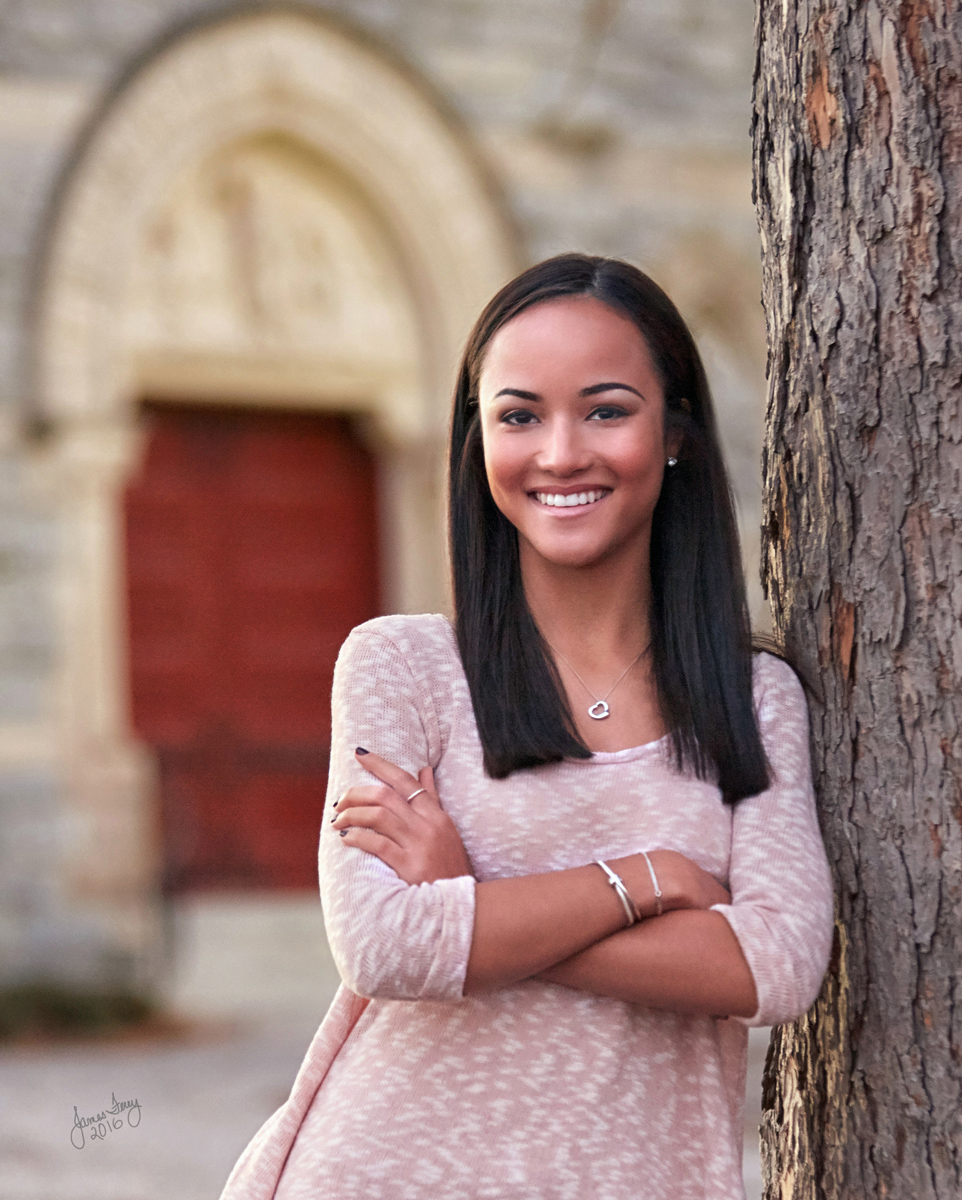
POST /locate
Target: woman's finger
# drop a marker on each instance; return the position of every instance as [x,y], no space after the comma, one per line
[377,794]
[375,817]
[427,802]
[395,777]
[377,844]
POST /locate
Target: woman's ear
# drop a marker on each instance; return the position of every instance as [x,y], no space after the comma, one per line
[675,436]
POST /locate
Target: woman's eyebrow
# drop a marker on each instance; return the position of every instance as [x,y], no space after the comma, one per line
[610,387]
[594,390]
[517,392]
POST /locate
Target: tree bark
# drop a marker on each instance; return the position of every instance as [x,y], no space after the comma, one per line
[858,178]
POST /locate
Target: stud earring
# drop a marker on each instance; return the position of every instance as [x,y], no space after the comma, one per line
[672,462]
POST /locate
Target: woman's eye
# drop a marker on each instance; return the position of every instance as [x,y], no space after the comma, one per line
[519,416]
[607,412]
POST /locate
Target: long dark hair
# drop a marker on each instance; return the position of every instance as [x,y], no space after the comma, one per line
[701,635]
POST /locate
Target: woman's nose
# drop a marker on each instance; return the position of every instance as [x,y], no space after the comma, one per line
[563,451]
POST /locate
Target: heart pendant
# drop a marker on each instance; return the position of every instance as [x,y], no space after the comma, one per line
[599,711]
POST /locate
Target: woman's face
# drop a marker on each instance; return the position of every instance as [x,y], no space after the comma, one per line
[572,421]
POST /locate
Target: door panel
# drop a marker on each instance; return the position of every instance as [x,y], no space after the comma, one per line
[252,551]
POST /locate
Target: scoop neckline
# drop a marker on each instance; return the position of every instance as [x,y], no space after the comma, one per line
[626,755]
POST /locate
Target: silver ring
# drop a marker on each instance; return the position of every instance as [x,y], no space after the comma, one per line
[417,793]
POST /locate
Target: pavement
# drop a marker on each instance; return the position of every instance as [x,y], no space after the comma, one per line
[201,1096]
[186,1105]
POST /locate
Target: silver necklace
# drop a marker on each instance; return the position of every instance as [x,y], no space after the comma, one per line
[599,710]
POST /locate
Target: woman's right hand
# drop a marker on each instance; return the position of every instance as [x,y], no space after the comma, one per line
[683,883]
[401,821]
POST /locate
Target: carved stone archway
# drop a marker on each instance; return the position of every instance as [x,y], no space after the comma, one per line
[268,211]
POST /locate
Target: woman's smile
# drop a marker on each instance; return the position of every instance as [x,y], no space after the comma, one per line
[570,503]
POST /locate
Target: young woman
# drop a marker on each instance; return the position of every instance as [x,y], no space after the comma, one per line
[571,849]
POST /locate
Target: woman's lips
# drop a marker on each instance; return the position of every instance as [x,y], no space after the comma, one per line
[570,500]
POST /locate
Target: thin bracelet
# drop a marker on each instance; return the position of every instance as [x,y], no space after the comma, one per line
[654,882]
[631,912]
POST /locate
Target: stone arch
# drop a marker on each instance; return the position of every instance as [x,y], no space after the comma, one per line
[267,210]
[282,73]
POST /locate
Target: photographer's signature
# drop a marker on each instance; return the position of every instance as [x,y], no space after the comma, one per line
[100,1124]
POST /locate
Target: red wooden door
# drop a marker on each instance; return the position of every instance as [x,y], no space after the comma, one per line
[252,551]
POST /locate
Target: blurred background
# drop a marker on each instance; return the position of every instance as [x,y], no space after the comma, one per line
[240,248]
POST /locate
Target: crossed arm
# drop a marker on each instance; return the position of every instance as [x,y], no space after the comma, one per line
[567,926]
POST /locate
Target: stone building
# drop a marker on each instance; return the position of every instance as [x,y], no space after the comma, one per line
[240,247]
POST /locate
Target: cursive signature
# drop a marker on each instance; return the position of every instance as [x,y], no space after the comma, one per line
[100,1124]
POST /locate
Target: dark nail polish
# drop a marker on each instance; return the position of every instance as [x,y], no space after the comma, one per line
[361,750]
[342,832]
[334,818]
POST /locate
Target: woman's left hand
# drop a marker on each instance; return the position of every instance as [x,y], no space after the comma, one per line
[416,838]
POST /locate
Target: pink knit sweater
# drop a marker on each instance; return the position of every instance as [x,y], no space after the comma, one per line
[410,1091]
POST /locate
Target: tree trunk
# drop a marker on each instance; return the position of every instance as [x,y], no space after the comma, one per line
[858,174]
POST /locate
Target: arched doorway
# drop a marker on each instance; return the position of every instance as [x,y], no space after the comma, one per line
[270,217]
[251,552]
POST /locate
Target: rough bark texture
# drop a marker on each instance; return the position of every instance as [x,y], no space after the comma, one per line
[858,166]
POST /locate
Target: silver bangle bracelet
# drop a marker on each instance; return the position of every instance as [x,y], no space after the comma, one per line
[654,882]
[631,912]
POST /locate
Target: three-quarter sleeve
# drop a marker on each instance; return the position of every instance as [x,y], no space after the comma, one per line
[389,939]
[782,904]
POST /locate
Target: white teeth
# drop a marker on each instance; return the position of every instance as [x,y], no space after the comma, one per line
[556,500]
